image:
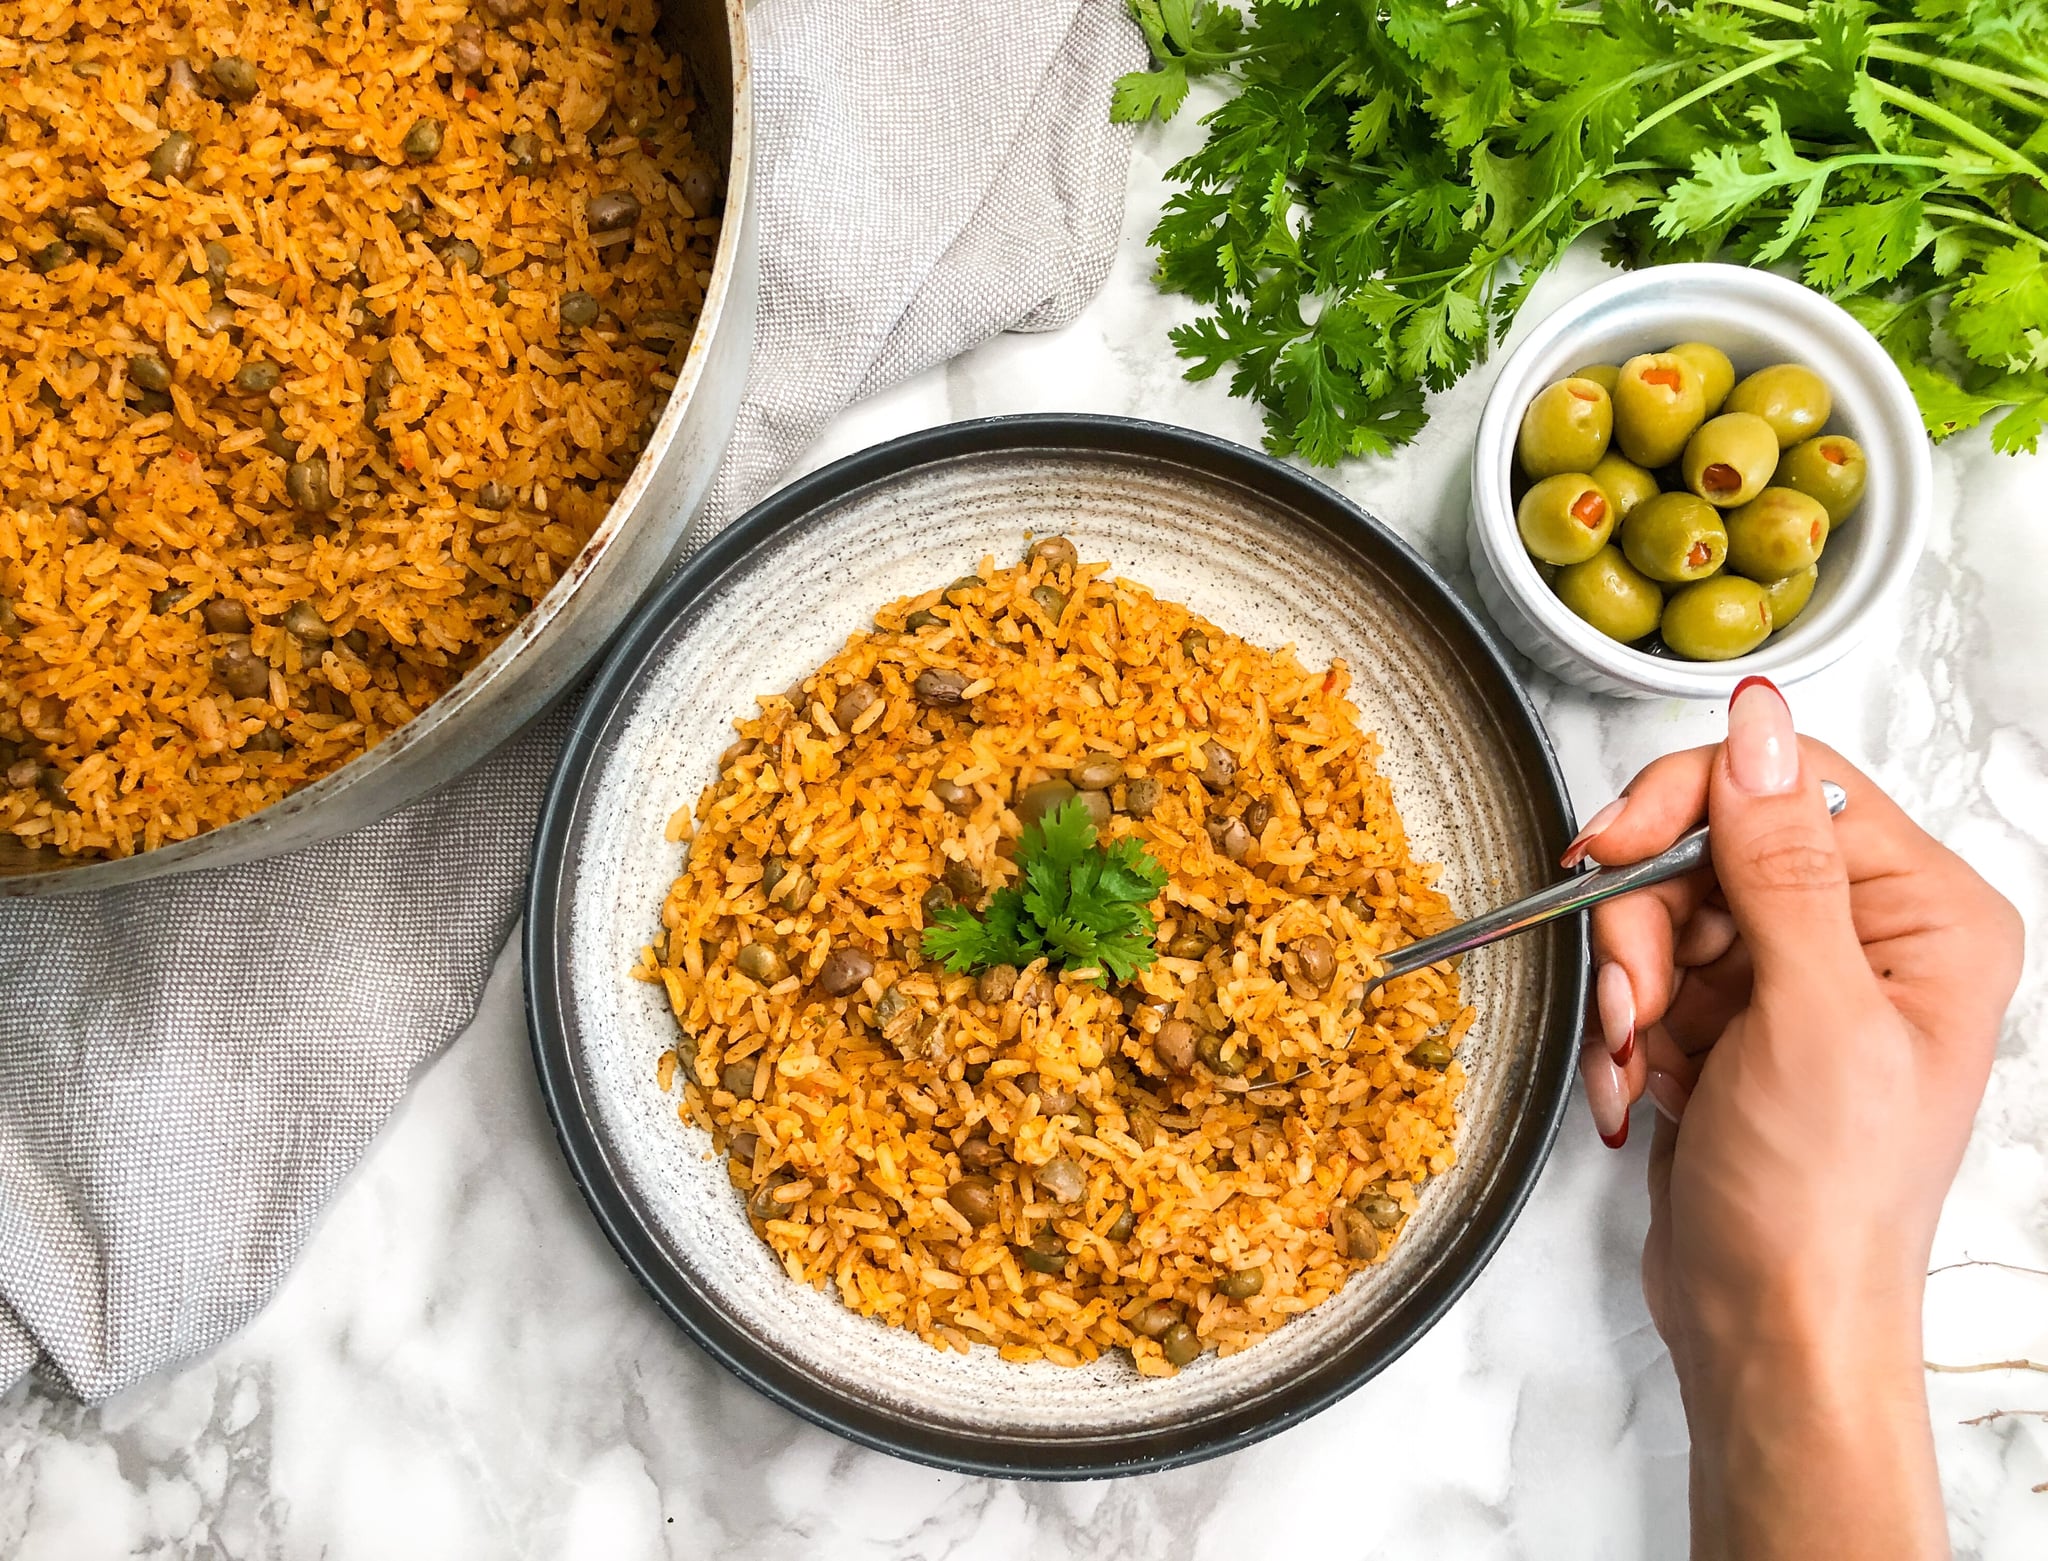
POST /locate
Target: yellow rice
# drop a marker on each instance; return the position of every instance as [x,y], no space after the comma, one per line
[856,1138]
[121,518]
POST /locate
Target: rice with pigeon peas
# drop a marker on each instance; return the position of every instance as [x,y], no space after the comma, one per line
[331,331]
[1041,1161]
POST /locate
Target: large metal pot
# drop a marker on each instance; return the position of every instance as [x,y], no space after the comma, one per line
[633,548]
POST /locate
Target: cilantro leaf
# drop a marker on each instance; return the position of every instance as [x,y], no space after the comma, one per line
[2021,428]
[1081,904]
[1945,406]
[1850,247]
[1999,314]
[1370,208]
[1149,94]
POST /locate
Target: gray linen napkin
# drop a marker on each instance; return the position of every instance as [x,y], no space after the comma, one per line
[189,1068]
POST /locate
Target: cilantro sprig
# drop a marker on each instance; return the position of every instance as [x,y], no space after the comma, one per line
[1080,905]
[1389,178]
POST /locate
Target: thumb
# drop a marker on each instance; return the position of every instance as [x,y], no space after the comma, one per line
[1774,849]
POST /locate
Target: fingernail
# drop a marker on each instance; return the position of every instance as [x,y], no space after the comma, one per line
[1606,1095]
[1763,751]
[1598,824]
[1667,1094]
[1616,1001]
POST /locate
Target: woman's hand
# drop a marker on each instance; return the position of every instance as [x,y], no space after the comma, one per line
[1814,1020]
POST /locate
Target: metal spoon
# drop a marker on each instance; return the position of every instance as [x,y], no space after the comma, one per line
[1575,894]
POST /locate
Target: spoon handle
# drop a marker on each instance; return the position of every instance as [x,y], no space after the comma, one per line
[1574,894]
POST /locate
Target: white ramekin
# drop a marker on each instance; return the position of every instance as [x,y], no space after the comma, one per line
[1756,318]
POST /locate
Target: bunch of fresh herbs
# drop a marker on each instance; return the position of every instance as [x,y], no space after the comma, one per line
[1081,905]
[1390,176]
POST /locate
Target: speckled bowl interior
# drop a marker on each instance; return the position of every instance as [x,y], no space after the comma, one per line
[1254,547]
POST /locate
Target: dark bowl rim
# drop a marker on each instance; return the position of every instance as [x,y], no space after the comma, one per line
[551,887]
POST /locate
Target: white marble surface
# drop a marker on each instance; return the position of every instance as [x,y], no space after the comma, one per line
[459,1367]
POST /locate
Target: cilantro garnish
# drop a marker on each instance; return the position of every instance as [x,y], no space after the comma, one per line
[1373,203]
[1081,905]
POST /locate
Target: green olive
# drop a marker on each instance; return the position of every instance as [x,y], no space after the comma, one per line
[1612,595]
[1788,597]
[1625,483]
[1602,374]
[1777,533]
[1564,519]
[1712,620]
[1731,458]
[1658,403]
[1831,469]
[1565,429]
[1675,538]
[1789,396]
[1717,374]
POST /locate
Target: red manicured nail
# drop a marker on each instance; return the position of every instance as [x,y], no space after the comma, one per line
[1606,1094]
[1763,750]
[1616,1001]
[1596,826]
[1758,680]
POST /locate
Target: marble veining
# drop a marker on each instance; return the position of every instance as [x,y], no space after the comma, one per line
[460,1368]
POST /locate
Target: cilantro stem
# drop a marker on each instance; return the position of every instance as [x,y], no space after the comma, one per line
[1784,13]
[1956,126]
[1896,310]
[1998,84]
[1488,259]
[1978,220]
[1317,90]
[1708,88]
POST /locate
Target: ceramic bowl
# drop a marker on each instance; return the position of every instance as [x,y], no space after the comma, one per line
[1252,545]
[1757,318]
